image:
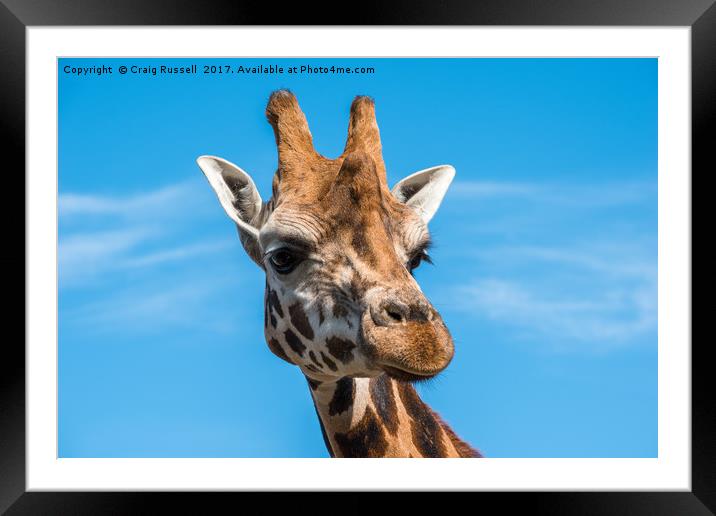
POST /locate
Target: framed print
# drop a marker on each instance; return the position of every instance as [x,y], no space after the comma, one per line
[256,251]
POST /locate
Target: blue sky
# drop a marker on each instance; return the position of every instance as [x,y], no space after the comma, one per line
[545,257]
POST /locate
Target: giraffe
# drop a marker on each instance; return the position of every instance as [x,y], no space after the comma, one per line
[338,248]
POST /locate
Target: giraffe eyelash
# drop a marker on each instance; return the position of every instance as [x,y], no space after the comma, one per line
[417,258]
[422,251]
[426,258]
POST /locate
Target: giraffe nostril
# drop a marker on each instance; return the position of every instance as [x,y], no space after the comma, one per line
[392,312]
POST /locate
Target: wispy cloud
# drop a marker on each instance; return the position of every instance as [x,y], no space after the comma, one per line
[616,259]
[83,256]
[178,253]
[604,321]
[167,201]
[585,195]
[129,232]
[585,278]
[599,298]
[482,189]
[158,307]
[136,264]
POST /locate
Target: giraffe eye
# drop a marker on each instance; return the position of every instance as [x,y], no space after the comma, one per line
[284,260]
[417,259]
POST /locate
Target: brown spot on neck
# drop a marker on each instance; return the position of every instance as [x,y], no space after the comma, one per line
[391,422]
[366,439]
[426,431]
[381,393]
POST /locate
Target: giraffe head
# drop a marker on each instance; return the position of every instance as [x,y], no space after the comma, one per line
[338,248]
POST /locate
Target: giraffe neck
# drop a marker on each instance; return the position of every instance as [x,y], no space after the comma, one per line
[381,417]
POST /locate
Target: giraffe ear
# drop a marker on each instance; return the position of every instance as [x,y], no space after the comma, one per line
[424,190]
[238,196]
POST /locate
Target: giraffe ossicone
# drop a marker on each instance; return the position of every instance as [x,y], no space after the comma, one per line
[338,247]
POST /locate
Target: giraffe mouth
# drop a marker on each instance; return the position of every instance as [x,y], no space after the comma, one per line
[411,351]
[406,376]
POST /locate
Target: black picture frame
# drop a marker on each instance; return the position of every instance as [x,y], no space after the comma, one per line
[16,15]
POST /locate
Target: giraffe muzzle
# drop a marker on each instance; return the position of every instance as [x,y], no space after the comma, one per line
[409,341]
